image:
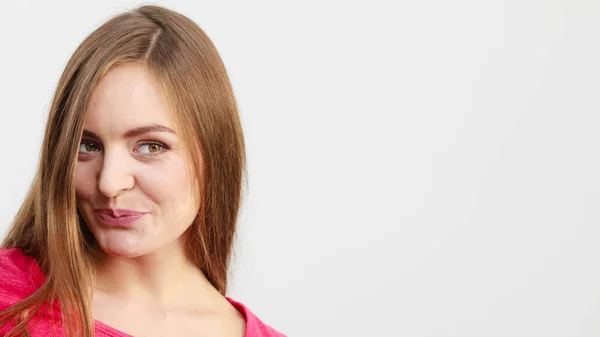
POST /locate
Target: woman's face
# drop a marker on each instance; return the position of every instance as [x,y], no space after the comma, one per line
[134,190]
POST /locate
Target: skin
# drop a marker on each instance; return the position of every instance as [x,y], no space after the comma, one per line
[146,285]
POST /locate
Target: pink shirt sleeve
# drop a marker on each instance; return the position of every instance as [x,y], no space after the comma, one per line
[254,326]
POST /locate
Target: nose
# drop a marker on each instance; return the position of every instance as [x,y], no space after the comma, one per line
[115,175]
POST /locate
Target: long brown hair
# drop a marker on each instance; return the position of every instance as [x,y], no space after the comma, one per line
[194,83]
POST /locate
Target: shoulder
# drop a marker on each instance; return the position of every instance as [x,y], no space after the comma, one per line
[19,276]
[254,326]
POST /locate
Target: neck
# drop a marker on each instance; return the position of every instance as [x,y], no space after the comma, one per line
[163,278]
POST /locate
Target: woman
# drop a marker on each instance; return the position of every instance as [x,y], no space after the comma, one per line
[128,226]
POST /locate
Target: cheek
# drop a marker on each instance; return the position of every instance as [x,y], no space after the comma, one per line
[169,185]
[85,182]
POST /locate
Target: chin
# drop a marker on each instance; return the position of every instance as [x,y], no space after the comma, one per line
[121,247]
[123,252]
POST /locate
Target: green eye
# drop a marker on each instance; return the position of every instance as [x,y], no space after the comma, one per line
[87,147]
[151,148]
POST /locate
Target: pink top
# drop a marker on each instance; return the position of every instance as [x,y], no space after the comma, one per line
[20,276]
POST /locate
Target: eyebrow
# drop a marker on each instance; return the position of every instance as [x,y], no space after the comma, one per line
[136,132]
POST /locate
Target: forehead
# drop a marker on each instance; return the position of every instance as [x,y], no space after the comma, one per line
[126,96]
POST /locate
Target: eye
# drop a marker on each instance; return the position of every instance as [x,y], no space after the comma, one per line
[151,148]
[86,147]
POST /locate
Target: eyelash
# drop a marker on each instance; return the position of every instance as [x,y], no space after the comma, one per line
[162,145]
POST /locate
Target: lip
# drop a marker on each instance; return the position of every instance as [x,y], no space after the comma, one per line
[119,217]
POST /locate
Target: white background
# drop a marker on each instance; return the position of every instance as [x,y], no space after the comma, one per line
[417,168]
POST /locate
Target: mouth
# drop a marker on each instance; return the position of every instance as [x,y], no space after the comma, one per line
[118,217]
